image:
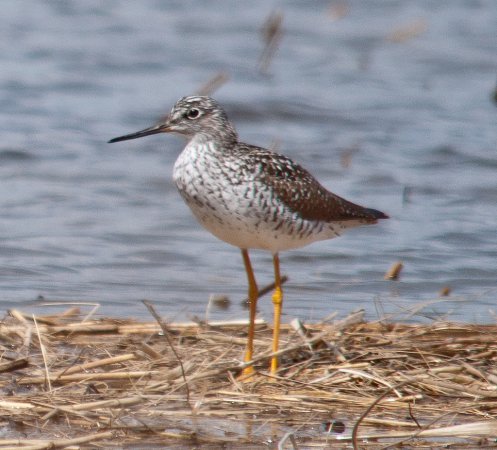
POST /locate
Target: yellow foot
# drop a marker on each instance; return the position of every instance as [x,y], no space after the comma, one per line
[273,368]
[247,375]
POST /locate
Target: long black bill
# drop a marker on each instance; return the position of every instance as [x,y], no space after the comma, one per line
[159,128]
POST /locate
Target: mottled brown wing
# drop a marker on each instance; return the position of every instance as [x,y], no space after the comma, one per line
[303,194]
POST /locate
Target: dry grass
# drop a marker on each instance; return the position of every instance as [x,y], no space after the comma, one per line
[68,382]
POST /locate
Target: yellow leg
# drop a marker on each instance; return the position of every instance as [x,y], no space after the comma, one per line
[253,294]
[278,304]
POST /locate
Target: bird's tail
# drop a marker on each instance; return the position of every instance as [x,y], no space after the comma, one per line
[377,214]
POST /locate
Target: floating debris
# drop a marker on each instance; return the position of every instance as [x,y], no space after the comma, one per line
[271,32]
[445,291]
[408,31]
[338,10]
[394,271]
[213,84]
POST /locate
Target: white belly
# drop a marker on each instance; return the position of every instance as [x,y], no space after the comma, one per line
[241,212]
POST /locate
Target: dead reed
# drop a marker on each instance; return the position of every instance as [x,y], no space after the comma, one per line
[69,382]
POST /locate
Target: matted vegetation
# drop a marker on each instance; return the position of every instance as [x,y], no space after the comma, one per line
[74,382]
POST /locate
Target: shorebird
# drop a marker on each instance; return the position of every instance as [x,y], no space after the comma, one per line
[251,197]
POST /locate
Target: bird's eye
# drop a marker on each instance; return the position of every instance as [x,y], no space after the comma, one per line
[192,113]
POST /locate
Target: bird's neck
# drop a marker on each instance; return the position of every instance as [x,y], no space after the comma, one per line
[224,139]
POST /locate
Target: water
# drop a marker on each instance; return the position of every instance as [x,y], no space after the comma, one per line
[91,222]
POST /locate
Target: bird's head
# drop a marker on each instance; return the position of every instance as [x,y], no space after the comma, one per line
[191,116]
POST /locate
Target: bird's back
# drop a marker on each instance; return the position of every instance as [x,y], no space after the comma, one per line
[298,190]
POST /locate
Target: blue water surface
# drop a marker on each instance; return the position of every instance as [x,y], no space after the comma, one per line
[389,104]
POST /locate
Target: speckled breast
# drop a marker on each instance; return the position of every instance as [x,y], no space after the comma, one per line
[229,200]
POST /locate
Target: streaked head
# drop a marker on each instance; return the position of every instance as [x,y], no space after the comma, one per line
[191,116]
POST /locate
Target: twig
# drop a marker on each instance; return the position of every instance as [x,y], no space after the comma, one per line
[305,334]
[291,436]
[43,354]
[85,327]
[59,443]
[17,364]
[266,289]
[94,364]
[353,318]
[113,403]
[423,431]
[360,373]
[166,333]
[213,84]
[370,408]
[272,33]
[103,376]
[411,415]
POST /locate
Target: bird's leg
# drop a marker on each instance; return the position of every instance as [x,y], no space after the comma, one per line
[278,304]
[253,294]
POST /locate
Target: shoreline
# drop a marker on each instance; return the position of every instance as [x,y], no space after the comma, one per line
[119,380]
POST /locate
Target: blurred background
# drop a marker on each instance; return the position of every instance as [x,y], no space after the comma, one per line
[390,104]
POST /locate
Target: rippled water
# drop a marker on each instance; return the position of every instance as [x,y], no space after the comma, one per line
[389,105]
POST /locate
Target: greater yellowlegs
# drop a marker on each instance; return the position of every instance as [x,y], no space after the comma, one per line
[251,197]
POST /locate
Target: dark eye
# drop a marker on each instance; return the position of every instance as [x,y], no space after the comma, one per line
[192,113]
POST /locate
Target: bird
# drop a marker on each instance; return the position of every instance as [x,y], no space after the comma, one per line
[251,198]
